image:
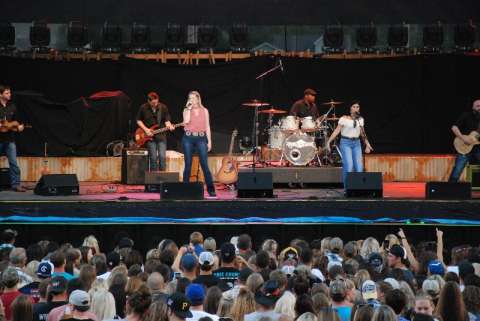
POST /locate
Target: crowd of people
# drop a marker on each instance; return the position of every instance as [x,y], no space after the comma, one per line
[206,279]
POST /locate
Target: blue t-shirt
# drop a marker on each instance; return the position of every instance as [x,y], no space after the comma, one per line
[66,275]
[344,312]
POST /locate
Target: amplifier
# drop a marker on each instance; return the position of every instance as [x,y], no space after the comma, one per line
[153,180]
[134,166]
[5,178]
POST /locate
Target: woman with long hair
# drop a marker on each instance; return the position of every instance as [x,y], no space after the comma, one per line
[22,308]
[197,135]
[138,304]
[450,304]
[384,313]
[87,276]
[244,304]
[363,313]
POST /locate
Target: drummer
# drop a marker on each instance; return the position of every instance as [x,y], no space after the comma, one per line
[306,107]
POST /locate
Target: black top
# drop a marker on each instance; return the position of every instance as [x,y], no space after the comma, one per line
[227,274]
[468,121]
[41,310]
[207,280]
[8,113]
[149,117]
[302,109]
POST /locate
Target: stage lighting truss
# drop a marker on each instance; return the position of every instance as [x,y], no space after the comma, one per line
[7,36]
[464,37]
[433,38]
[77,36]
[366,37]
[333,39]
[111,38]
[398,38]
[207,37]
[39,36]
[175,37]
[140,38]
[239,38]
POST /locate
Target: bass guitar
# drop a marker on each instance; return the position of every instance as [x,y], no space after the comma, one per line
[463,148]
[141,138]
[228,173]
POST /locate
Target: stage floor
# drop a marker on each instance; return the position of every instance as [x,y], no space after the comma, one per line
[100,203]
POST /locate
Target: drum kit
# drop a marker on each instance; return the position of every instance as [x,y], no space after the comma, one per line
[302,141]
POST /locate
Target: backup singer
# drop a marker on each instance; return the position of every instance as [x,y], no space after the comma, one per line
[197,135]
[153,112]
[351,128]
[306,107]
[466,123]
[8,112]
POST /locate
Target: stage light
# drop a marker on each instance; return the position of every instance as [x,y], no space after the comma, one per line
[239,38]
[39,35]
[175,37]
[433,38]
[207,37]
[333,39]
[77,35]
[140,37]
[111,37]
[7,35]
[464,36]
[366,37]
[398,37]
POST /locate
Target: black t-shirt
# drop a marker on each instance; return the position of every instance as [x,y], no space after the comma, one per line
[207,280]
[301,109]
[227,274]
[75,319]
[41,310]
[149,117]
[468,121]
[8,113]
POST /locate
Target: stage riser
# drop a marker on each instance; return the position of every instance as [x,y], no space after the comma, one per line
[326,175]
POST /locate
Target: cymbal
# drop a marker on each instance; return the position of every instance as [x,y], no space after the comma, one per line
[272,111]
[255,103]
[332,102]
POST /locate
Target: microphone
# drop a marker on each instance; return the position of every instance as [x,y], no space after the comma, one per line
[189,104]
[281,64]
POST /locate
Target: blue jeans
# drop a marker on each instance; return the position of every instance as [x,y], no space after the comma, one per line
[462,160]
[189,144]
[157,150]
[10,149]
[351,157]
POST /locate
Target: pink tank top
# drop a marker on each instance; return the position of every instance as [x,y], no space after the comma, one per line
[197,123]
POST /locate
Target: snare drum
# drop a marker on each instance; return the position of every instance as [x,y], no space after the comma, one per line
[276,137]
[289,124]
[308,125]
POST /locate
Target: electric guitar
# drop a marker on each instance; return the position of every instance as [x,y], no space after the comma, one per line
[141,138]
[463,148]
[228,173]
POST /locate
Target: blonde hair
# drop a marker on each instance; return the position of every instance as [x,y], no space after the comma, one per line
[243,305]
[369,246]
[286,305]
[102,301]
[320,301]
[325,245]
[384,313]
[197,94]
[408,291]
[307,316]
[225,307]
[92,242]
[254,282]
[118,270]
[360,277]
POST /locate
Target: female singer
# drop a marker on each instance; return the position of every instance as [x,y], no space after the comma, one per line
[197,134]
[351,128]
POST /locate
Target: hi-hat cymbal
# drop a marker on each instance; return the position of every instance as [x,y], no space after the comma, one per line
[332,102]
[255,103]
[272,111]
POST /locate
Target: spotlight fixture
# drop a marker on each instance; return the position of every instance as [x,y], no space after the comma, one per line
[366,37]
[239,38]
[175,37]
[333,39]
[464,36]
[77,35]
[433,38]
[398,38]
[111,37]
[140,37]
[7,36]
[39,36]
[207,37]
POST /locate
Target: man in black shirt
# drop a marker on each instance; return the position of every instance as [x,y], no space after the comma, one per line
[57,296]
[466,123]
[306,107]
[8,112]
[228,273]
[153,112]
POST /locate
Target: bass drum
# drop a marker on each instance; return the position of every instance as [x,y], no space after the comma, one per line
[276,137]
[299,149]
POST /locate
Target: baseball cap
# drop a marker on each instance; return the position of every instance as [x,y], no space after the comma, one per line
[394,283]
[180,305]
[369,290]
[375,260]
[209,244]
[309,91]
[44,269]
[227,251]
[125,242]
[431,287]
[268,293]
[10,277]
[398,251]
[206,258]
[196,293]
[290,253]
[79,298]
[436,267]
[113,259]
[58,284]
[338,287]
[288,270]
[188,261]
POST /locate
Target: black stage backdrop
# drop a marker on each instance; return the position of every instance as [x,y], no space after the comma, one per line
[409,103]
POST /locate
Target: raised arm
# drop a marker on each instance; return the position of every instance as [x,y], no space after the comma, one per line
[440,246]
[411,258]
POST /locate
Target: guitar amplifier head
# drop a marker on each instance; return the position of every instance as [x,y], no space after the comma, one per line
[136,152]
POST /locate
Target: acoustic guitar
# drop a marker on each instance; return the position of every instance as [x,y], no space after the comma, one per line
[463,148]
[228,173]
[10,126]
[141,138]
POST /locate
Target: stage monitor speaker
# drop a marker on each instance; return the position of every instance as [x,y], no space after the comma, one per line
[364,184]
[473,176]
[254,184]
[5,178]
[134,166]
[448,190]
[153,180]
[57,184]
[181,191]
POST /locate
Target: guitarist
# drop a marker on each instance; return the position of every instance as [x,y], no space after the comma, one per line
[8,112]
[465,124]
[153,112]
